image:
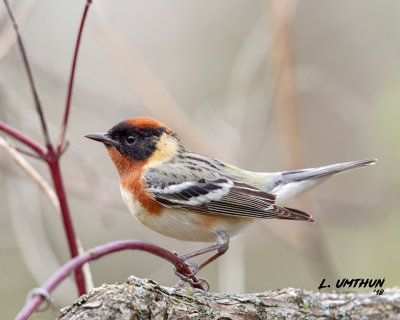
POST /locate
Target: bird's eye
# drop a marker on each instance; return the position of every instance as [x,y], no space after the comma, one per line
[130,139]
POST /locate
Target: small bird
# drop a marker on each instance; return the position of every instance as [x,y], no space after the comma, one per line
[192,197]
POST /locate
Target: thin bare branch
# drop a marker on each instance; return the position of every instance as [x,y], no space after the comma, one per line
[22,9]
[24,139]
[42,183]
[49,154]
[72,77]
[26,152]
[30,75]
[55,168]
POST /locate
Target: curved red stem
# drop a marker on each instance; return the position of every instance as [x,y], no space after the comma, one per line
[96,253]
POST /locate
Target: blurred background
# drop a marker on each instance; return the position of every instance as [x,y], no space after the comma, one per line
[265,85]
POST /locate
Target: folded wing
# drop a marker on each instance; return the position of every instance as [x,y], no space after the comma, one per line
[212,192]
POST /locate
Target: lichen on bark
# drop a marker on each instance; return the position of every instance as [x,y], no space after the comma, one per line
[145,299]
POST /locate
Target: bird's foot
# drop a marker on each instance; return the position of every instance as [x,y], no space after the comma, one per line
[190,277]
[193,267]
[203,282]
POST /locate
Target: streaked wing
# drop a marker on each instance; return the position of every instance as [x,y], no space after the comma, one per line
[214,193]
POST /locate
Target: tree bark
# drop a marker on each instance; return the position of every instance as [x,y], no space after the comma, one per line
[145,299]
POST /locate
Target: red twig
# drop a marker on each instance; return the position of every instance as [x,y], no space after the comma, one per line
[72,77]
[66,216]
[30,75]
[49,154]
[96,253]
[52,159]
[24,139]
[54,165]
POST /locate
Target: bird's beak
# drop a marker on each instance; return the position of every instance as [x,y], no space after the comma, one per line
[102,137]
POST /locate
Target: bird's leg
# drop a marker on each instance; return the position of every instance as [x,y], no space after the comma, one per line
[222,245]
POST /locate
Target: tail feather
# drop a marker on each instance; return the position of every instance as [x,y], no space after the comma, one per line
[305,174]
[296,214]
[288,184]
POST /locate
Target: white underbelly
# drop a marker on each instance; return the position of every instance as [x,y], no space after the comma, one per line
[183,224]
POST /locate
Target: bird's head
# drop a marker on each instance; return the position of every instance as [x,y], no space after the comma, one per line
[138,140]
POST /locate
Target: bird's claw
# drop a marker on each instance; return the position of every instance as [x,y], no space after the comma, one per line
[188,277]
[192,282]
[193,267]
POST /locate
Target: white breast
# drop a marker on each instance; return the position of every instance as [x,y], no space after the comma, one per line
[183,224]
